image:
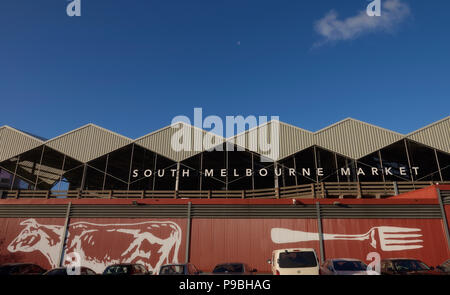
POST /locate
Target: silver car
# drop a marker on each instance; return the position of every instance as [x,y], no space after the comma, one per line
[343,266]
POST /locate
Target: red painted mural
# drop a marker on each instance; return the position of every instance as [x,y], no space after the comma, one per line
[34,240]
[104,241]
[98,242]
[391,238]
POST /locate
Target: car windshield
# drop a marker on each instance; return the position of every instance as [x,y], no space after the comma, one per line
[410,265]
[15,269]
[172,270]
[343,265]
[297,259]
[117,269]
[227,268]
[4,270]
[58,271]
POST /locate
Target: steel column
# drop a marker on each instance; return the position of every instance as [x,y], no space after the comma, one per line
[188,233]
[319,227]
[438,164]
[64,235]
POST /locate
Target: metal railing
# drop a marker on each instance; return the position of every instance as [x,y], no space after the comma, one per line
[306,191]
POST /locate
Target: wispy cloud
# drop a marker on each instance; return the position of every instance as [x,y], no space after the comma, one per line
[332,29]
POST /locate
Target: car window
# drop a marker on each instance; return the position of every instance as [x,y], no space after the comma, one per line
[342,265]
[229,268]
[329,266]
[410,265]
[117,269]
[163,270]
[172,270]
[297,259]
[57,271]
[28,269]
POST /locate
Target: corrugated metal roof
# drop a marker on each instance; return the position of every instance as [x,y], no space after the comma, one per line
[14,142]
[261,140]
[187,141]
[88,142]
[355,139]
[349,137]
[436,135]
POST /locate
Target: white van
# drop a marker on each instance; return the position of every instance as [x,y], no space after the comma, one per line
[294,261]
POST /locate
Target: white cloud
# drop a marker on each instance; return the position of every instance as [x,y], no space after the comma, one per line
[331,29]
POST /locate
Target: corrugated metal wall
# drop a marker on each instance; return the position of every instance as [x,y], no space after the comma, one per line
[88,142]
[224,211]
[215,241]
[219,233]
[14,142]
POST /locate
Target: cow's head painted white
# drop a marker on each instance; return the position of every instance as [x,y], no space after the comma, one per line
[38,237]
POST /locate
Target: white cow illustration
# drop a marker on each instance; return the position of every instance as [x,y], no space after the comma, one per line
[150,243]
[35,236]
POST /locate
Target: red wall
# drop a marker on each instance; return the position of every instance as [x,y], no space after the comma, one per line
[216,241]
[104,241]
[447,213]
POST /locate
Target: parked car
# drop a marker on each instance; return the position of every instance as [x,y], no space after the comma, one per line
[234,268]
[126,269]
[62,271]
[444,267]
[21,269]
[294,261]
[179,269]
[405,266]
[344,266]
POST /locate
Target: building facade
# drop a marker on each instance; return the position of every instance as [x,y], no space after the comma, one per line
[93,158]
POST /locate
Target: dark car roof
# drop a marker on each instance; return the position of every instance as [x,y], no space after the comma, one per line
[125,264]
[17,264]
[398,259]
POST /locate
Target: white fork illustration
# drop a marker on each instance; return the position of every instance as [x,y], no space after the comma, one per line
[391,238]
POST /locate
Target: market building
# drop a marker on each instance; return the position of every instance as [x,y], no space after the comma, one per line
[347,190]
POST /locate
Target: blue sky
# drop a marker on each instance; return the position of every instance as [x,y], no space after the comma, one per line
[132,65]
